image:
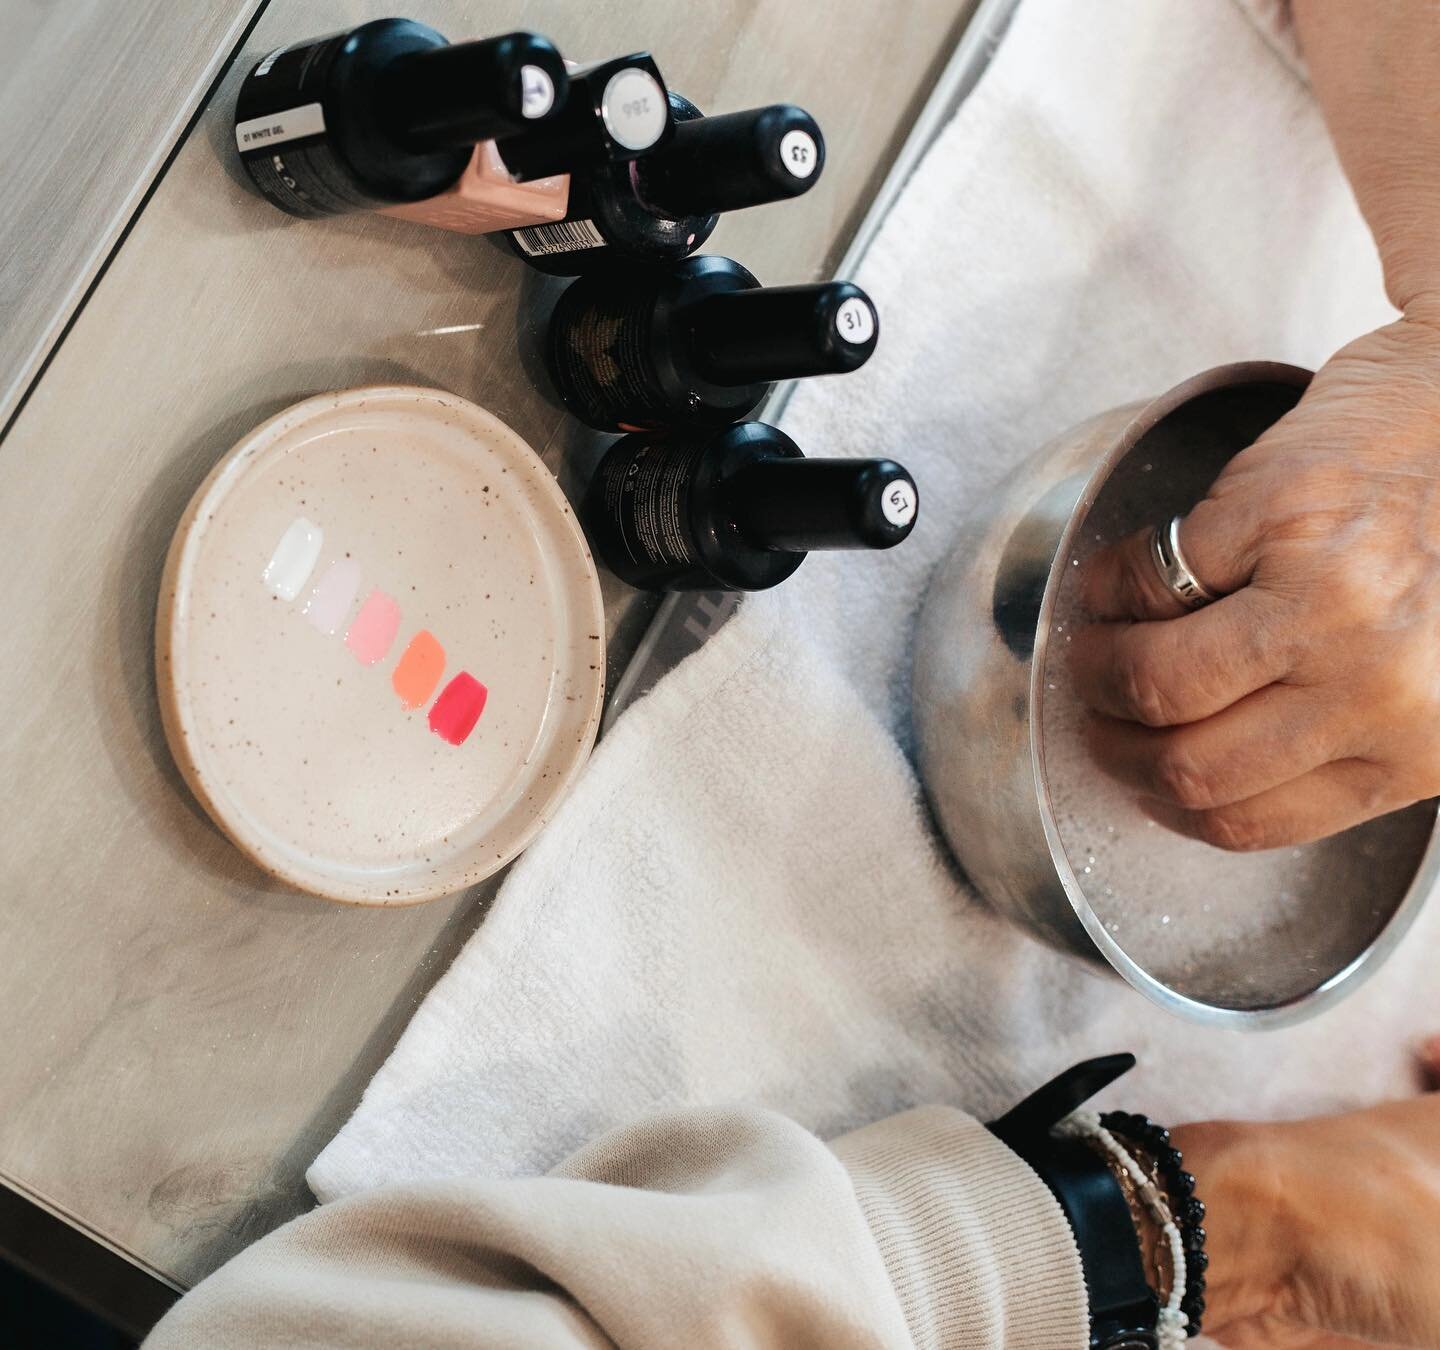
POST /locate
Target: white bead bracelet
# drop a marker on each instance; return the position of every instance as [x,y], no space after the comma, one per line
[1172,1322]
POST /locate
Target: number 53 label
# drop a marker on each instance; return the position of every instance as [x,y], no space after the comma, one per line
[799,153]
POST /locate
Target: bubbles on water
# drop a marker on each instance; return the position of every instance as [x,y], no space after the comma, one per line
[1214,924]
[1242,928]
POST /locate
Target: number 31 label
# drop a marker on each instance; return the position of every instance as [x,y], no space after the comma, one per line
[855,321]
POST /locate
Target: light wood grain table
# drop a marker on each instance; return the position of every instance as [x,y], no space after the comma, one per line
[93,98]
[184,1034]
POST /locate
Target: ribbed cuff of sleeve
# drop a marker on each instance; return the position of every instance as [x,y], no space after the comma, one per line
[978,1250]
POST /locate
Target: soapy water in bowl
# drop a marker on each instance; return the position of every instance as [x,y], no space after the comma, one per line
[1234,929]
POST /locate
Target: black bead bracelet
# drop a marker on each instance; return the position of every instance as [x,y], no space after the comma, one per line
[1189,1210]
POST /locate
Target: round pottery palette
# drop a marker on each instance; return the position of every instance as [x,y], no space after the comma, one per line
[380,645]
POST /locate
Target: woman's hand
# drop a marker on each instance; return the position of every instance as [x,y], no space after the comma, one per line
[1324,1232]
[1307,699]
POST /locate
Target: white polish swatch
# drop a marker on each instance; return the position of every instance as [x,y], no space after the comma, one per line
[294,558]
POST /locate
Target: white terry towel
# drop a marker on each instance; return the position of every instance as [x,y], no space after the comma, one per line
[744,899]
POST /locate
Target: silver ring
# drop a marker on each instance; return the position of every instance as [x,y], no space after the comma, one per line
[1174,571]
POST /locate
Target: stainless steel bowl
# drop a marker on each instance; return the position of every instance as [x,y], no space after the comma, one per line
[979,663]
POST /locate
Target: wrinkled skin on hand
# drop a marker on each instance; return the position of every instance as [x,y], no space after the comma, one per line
[1307,699]
[1323,1233]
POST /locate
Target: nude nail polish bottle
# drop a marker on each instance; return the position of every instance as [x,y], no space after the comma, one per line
[615,111]
[488,197]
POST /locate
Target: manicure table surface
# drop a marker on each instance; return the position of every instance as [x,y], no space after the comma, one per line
[183,1032]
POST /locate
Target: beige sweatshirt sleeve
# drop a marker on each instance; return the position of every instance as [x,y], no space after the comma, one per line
[695,1228]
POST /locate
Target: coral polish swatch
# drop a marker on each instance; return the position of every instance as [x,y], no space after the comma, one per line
[419,670]
[458,708]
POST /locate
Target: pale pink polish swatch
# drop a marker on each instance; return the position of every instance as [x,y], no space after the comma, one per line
[333,595]
[373,629]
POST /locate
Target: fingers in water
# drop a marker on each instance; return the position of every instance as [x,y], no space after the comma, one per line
[1168,673]
[1122,581]
[1322,802]
[1266,739]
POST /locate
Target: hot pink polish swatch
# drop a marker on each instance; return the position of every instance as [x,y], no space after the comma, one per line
[455,712]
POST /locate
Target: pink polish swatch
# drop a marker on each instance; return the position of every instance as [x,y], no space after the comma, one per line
[458,708]
[332,597]
[374,628]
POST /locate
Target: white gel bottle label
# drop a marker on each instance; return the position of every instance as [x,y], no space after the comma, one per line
[274,128]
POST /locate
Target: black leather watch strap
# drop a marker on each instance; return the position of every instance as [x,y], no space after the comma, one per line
[1123,1307]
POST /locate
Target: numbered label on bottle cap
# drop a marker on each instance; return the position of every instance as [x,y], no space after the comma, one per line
[799,153]
[855,320]
[634,109]
[537,91]
[898,501]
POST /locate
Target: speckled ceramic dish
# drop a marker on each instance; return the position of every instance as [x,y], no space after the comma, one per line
[380,645]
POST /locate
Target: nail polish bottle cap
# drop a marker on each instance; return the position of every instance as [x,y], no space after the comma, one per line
[616,110]
[772,333]
[467,92]
[796,505]
[725,163]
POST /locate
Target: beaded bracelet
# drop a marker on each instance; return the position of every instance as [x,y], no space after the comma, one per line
[1189,1209]
[1171,1328]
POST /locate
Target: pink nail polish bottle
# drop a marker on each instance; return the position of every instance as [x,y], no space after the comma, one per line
[488,197]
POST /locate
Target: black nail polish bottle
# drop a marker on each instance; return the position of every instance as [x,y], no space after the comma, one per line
[736,509]
[643,347]
[386,113]
[615,110]
[664,206]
